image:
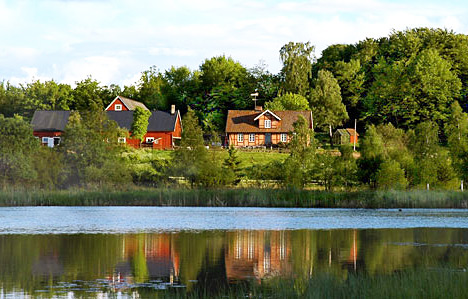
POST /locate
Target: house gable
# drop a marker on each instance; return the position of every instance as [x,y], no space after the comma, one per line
[121,103]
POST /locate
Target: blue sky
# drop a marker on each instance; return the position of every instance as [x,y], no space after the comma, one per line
[114,41]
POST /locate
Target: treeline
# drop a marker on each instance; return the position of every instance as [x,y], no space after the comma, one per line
[406,78]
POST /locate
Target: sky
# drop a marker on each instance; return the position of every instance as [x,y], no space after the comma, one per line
[113,41]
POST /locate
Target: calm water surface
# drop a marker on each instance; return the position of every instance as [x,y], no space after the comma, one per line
[123,251]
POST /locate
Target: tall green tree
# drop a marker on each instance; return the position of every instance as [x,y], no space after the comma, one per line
[140,123]
[325,100]
[456,130]
[288,101]
[150,88]
[297,61]
[17,147]
[192,154]
[87,96]
[298,166]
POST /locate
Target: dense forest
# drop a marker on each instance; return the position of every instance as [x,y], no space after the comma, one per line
[407,91]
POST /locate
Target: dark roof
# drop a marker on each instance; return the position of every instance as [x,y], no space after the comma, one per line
[243,121]
[159,121]
[50,120]
[132,104]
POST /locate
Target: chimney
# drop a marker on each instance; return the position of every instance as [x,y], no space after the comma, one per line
[258,108]
[172,109]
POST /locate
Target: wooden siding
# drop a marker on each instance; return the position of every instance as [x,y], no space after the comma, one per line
[275,123]
[259,139]
[117,102]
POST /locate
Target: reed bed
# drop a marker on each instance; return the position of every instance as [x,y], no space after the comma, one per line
[237,198]
[424,283]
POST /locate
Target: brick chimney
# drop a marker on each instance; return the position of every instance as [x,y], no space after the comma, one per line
[172,109]
[258,108]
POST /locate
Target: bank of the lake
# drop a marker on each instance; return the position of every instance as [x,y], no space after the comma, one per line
[237,198]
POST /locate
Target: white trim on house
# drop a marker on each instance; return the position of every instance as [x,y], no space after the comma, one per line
[276,116]
[284,137]
[150,139]
[122,140]
[118,107]
[267,124]
[240,137]
[252,137]
[117,97]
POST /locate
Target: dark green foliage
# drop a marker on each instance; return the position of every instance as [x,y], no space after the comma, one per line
[17,147]
[297,66]
[140,123]
[288,101]
[391,176]
[88,96]
[91,152]
[232,163]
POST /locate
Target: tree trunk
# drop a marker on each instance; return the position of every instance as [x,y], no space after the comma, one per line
[331,135]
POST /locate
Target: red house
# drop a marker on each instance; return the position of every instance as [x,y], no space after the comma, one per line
[164,128]
[48,126]
[259,128]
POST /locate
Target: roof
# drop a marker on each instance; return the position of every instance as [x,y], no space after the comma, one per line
[129,103]
[50,120]
[352,132]
[243,121]
[342,132]
[159,121]
[268,111]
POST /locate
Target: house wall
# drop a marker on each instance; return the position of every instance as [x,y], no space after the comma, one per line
[164,140]
[47,134]
[275,123]
[351,139]
[117,102]
[259,139]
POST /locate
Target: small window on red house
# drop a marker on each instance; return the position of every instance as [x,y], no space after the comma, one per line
[118,107]
[267,123]
[149,139]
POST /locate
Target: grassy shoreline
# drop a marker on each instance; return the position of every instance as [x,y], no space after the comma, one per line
[237,198]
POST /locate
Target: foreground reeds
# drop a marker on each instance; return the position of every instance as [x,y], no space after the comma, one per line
[424,283]
[238,198]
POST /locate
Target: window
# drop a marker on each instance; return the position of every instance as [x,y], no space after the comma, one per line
[284,137]
[251,137]
[45,139]
[267,123]
[149,139]
[118,107]
[240,137]
[122,140]
[56,140]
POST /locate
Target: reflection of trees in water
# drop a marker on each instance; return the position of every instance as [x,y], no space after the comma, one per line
[211,259]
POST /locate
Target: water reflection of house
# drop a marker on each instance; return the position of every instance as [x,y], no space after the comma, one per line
[257,254]
[162,260]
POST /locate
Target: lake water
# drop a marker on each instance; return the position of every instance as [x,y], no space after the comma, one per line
[123,251]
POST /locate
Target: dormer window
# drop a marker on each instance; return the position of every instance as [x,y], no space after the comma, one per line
[118,107]
[267,124]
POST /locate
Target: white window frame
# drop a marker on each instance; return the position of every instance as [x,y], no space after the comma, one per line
[118,107]
[251,137]
[122,140]
[267,123]
[284,137]
[240,137]
[150,139]
[45,140]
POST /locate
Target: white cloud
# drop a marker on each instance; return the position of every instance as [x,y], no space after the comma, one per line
[115,40]
[30,74]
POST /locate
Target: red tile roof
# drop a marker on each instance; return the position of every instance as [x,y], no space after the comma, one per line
[242,121]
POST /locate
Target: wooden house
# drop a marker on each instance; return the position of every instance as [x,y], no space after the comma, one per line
[261,128]
[48,126]
[164,128]
[345,136]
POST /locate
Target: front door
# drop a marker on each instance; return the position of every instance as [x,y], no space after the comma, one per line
[267,138]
